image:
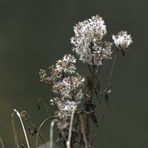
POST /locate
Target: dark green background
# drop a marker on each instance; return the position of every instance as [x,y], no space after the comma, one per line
[35,33]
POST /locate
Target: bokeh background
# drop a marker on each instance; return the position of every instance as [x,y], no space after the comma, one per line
[35,33]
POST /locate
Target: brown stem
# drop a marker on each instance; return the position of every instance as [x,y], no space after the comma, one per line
[89,101]
[82,129]
[100,124]
[93,81]
[112,67]
[87,127]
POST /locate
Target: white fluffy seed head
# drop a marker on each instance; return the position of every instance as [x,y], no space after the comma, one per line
[88,41]
[122,39]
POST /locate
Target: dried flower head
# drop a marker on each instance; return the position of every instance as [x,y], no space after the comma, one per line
[122,40]
[87,41]
[72,95]
[69,86]
[65,65]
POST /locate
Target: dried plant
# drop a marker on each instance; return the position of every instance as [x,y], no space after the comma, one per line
[72,93]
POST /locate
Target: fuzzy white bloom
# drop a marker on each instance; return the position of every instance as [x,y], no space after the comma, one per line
[65,65]
[65,108]
[70,106]
[68,58]
[69,87]
[122,39]
[87,41]
[94,27]
[66,105]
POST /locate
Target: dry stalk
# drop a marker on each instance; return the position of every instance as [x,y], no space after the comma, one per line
[22,124]
[45,120]
[51,133]
[68,143]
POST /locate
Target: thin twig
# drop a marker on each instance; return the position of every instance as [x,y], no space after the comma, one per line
[99,69]
[87,127]
[43,141]
[100,124]
[94,138]
[41,100]
[68,143]
[89,69]
[2,143]
[103,115]
[25,134]
[112,67]
[14,130]
[40,129]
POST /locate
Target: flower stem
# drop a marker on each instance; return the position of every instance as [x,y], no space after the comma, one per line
[68,143]
[25,134]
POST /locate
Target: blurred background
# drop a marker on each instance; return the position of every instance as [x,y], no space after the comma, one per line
[35,33]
